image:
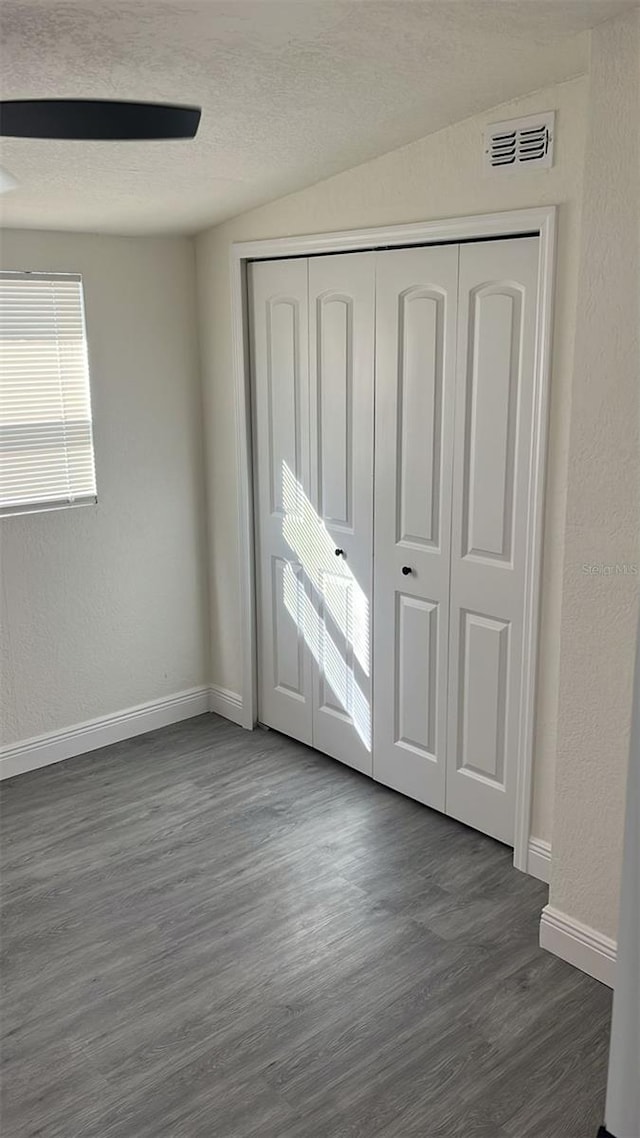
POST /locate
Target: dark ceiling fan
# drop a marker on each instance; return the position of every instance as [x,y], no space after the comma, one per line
[96,119]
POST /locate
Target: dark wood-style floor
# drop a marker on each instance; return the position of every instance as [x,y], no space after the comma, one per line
[221,934]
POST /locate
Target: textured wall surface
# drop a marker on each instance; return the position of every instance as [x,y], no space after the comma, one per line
[603,501]
[104,607]
[623,1088]
[439,176]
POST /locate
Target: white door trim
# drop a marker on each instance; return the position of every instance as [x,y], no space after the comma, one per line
[511,223]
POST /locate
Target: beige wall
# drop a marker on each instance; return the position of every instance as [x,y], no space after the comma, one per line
[599,612]
[104,607]
[438,176]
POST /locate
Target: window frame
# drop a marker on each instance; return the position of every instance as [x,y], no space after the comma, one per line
[44,505]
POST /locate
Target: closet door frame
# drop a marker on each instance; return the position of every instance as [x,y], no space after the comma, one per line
[536,222]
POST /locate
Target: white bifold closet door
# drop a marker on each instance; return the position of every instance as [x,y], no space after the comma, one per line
[312,352]
[444,336]
[340,531]
[278,293]
[454,389]
[492,469]
[415,376]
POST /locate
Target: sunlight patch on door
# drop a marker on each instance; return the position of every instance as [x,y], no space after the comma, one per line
[329,595]
[308,537]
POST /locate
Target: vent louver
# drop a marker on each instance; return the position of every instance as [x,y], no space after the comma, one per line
[519,144]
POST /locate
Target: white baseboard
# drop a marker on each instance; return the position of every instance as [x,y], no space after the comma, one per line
[539,859]
[57,745]
[226,703]
[580,945]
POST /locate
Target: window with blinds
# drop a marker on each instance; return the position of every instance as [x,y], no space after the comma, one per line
[46,439]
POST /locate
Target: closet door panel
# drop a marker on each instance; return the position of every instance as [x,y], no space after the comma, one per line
[279,353]
[416,300]
[419,393]
[416,671]
[494,394]
[341,337]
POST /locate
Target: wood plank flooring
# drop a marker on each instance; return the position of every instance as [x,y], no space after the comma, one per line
[210,933]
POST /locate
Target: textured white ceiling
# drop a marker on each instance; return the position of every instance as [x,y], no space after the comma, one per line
[291,91]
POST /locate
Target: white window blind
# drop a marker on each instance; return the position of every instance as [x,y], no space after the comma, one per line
[46,439]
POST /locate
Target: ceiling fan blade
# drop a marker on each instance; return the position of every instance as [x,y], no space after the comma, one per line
[96,119]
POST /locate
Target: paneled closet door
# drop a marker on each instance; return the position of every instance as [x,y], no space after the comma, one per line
[415,373]
[337,539]
[279,353]
[494,405]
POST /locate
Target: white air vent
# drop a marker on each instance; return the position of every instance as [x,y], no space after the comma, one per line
[518,144]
